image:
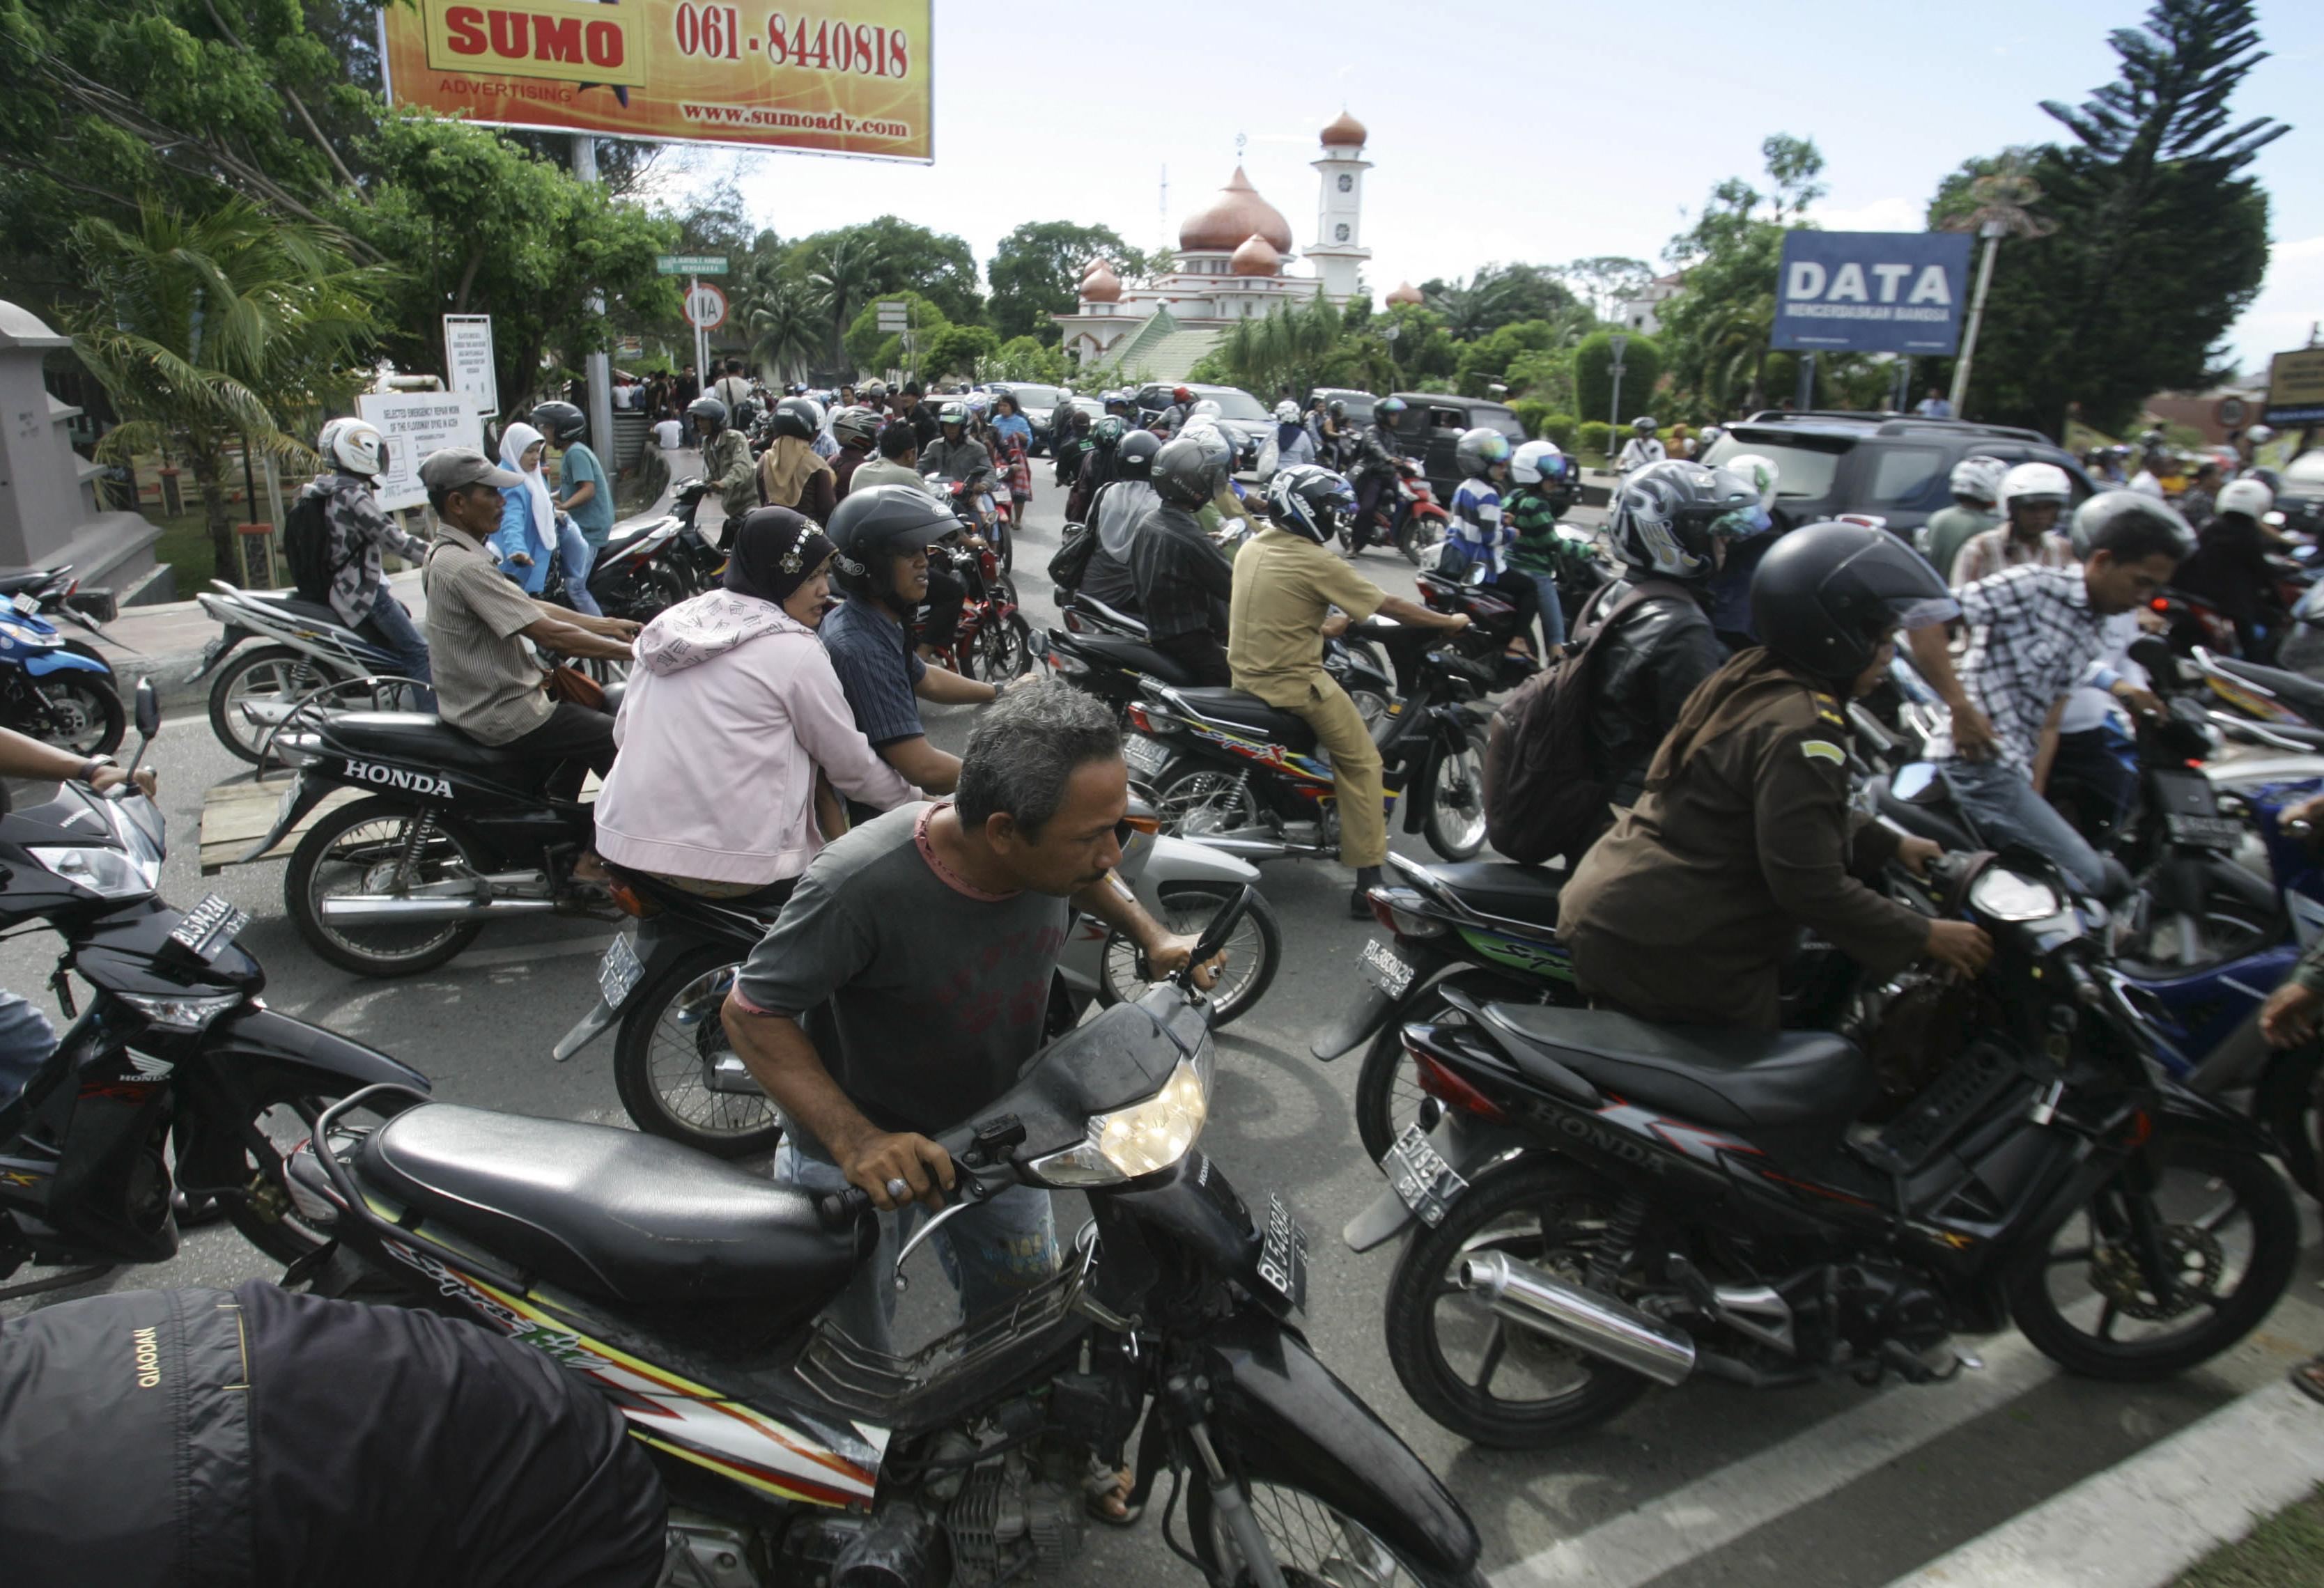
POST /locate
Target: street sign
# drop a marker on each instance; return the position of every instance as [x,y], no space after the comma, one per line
[468,360]
[415,424]
[895,316]
[2295,386]
[690,264]
[1872,291]
[705,307]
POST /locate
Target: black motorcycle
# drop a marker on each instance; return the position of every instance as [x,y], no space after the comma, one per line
[649,566]
[451,834]
[1109,657]
[687,1290]
[175,1055]
[1609,1204]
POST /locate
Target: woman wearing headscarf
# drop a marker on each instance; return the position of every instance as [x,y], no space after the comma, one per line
[792,472]
[732,720]
[531,529]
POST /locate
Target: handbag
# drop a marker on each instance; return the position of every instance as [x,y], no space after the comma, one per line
[575,687]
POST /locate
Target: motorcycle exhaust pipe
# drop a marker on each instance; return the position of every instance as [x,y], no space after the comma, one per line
[1532,1296]
[1249,848]
[383,909]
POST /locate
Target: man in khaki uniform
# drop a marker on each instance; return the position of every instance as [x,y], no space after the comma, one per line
[1285,585]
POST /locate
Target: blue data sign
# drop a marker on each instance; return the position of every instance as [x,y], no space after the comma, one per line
[1872,292]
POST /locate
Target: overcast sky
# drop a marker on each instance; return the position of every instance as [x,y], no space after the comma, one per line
[1539,132]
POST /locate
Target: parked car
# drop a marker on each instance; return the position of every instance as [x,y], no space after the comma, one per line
[1359,403]
[2299,493]
[1245,419]
[1038,404]
[1431,426]
[1899,467]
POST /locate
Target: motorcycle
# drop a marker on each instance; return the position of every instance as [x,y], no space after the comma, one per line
[686,1290]
[994,641]
[176,1056]
[452,834]
[1104,652]
[1608,1204]
[647,566]
[665,980]
[307,649]
[1416,522]
[55,690]
[60,598]
[981,511]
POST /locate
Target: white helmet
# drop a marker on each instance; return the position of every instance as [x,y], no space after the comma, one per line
[1205,409]
[1286,412]
[2244,496]
[1524,465]
[2033,483]
[2259,435]
[1978,478]
[355,445]
[1759,473]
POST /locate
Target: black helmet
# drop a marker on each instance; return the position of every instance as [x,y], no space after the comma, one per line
[1309,500]
[2107,517]
[561,422]
[880,521]
[1189,471]
[801,416]
[1134,458]
[709,415]
[1824,595]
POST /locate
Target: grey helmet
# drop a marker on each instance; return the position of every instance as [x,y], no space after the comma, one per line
[1189,471]
[1645,425]
[1666,518]
[857,423]
[801,416]
[2101,512]
[709,416]
[1134,458]
[1478,450]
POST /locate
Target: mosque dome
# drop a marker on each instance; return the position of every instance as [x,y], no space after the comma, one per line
[1256,257]
[1101,285]
[1404,292]
[1237,213]
[1347,132]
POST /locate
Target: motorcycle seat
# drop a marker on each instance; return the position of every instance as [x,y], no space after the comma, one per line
[1526,893]
[1753,1081]
[606,1213]
[2302,694]
[421,739]
[1120,652]
[15,584]
[1095,608]
[1238,709]
[291,605]
[1926,812]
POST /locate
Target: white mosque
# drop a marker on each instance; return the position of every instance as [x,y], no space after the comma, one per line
[1232,265]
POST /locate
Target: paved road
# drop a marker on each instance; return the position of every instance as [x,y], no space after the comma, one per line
[1830,1487]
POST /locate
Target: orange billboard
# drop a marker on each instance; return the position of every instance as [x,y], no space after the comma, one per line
[852,78]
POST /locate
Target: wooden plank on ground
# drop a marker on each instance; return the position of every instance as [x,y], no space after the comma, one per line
[237,815]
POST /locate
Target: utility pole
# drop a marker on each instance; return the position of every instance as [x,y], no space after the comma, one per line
[599,366]
[1619,345]
[1992,230]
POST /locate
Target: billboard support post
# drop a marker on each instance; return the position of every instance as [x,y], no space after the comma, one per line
[1803,395]
[599,365]
[1993,230]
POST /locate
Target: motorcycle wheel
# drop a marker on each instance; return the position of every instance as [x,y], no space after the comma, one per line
[2221,1219]
[1005,544]
[1457,1358]
[271,673]
[1253,953]
[1315,1545]
[1453,822]
[1203,800]
[355,848]
[1417,537]
[1388,1089]
[2291,1103]
[671,1028]
[283,1111]
[1004,650]
[76,711]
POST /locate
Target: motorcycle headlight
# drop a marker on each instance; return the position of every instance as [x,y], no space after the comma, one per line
[188,1012]
[1145,1136]
[2004,895]
[109,874]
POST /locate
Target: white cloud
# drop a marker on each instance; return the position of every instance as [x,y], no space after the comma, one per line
[2290,300]
[1882,214]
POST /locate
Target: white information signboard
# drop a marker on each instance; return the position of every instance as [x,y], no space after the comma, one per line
[468,360]
[415,424]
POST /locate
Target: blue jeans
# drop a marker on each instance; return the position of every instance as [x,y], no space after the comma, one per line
[1552,614]
[992,1254]
[26,1040]
[574,548]
[2000,800]
[391,628]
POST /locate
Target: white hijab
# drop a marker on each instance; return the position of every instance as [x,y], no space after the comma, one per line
[514,441]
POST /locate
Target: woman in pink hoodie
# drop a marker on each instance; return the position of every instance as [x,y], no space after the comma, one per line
[732,712]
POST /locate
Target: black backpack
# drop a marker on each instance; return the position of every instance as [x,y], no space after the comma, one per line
[1541,800]
[306,544]
[1071,560]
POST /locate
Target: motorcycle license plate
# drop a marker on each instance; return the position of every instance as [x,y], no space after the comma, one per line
[25,605]
[1385,968]
[208,928]
[1145,755]
[1283,1255]
[618,972]
[1423,1180]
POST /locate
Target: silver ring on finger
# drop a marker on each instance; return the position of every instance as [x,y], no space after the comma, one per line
[898,1189]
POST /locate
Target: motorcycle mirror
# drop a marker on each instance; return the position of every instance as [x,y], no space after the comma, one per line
[149,709]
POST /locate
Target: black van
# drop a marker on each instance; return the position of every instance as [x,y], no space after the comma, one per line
[1431,426]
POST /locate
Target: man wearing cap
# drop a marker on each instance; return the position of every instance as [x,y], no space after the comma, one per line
[486,685]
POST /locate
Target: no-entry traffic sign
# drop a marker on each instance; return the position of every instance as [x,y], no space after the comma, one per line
[705,306]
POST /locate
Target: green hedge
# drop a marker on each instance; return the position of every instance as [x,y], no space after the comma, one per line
[1642,362]
[1591,435]
[1561,428]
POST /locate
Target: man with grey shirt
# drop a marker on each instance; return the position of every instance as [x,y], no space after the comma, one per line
[907,982]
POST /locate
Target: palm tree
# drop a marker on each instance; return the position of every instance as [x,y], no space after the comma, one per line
[785,332]
[1474,307]
[849,266]
[207,329]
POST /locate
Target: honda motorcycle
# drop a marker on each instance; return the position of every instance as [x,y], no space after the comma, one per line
[59,598]
[175,1056]
[665,981]
[450,835]
[56,690]
[686,1290]
[306,648]
[1609,1204]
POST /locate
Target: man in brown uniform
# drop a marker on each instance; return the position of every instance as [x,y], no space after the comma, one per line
[1683,911]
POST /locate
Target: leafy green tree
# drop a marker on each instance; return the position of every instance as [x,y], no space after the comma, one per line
[1593,377]
[1715,330]
[1489,362]
[1036,270]
[1495,296]
[785,325]
[1422,349]
[847,272]
[211,329]
[1603,282]
[958,350]
[1291,345]
[898,255]
[2161,238]
[1024,358]
[866,343]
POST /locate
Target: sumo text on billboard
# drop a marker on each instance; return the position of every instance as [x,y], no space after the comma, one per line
[1871,292]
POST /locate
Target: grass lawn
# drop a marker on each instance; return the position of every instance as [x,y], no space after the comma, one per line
[2286,1551]
[185,545]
